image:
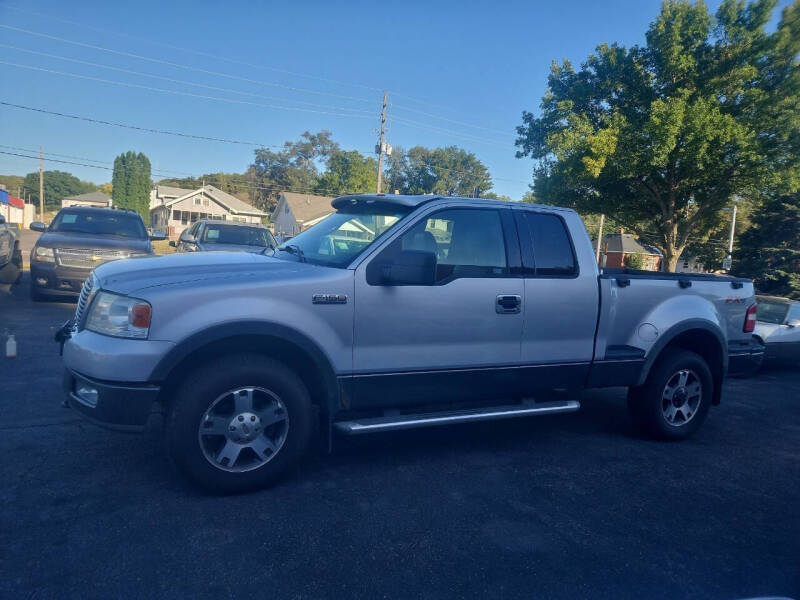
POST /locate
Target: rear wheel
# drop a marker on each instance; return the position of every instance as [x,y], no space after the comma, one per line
[674,401]
[239,423]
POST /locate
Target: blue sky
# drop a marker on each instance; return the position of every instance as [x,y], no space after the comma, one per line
[456,72]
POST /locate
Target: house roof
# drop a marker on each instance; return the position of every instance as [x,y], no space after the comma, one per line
[97,197]
[232,203]
[167,191]
[306,207]
[626,244]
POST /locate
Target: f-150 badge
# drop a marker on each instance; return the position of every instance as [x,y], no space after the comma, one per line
[329,299]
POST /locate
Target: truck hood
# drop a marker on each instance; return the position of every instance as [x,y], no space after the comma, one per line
[127,276]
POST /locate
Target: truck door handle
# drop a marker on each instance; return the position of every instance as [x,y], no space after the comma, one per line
[508,305]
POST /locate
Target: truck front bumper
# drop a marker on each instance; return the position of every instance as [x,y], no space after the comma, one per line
[115,405]
[745,358]
[56,280]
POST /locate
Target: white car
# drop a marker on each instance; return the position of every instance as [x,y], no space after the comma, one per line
[778,328]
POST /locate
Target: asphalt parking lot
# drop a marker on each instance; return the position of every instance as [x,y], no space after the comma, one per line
[566,506]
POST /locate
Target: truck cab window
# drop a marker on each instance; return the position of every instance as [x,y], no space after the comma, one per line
[552,250]
[467,243]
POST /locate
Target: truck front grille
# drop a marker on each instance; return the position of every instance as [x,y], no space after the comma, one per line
[83,301]
[87,258]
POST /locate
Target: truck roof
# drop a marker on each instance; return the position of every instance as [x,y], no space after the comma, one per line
[413,201]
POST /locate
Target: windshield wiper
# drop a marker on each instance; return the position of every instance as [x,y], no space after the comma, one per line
[294,249]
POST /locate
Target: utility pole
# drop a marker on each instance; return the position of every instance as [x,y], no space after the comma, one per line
[728,262]
[599,238]
[41,186]
[382,144]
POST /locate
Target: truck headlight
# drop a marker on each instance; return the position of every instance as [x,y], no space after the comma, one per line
[43,254]
[119,316]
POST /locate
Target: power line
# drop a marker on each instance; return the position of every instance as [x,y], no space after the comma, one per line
[441,118]
[138,128]
[203,54]
[236,61]
[181,66]
[198,137]
[180,93]
[179,81]
[457,134]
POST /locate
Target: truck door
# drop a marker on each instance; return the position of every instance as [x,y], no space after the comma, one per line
[453,339]
[561,299]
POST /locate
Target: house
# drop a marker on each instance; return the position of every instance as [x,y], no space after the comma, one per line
[174,209]
[12,208]
[297,212]
[91,199]
[618,247]
[162,193]
[690,264]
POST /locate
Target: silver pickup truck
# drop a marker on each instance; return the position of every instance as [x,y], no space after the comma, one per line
[394,312]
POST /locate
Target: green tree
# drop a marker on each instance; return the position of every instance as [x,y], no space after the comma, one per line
[769,252]
[131,183]
[663,137]
[449,171]
[295,168]
[348,172]
[57,186]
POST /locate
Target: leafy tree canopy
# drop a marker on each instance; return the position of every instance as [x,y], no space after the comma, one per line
[450,170]
[663,137]
[131,183]
[57,186]
[769,251]
[348,172]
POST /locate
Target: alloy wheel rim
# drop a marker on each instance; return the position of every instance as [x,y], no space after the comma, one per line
[681,397]
[243,429]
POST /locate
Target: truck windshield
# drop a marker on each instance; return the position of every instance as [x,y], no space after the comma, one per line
[101,222]
[772,312]
[339,238]
[238,234]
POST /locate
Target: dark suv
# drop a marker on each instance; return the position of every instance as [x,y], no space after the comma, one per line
[78,240]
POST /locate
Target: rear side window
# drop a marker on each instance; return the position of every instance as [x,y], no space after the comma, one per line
[552,249]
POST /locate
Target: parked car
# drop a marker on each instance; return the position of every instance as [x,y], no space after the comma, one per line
[778,328]
[394,312]
[10,253]
[227,236]
[79,239]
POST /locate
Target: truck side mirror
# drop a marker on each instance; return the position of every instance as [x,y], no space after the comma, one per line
[187,238]
[793,323]
[173,244]
[38,226]
[407,267]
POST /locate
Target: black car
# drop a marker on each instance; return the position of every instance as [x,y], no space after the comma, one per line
[207,235]
[78,240]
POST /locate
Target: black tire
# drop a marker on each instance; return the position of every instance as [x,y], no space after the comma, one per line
[202,387]
[647,404]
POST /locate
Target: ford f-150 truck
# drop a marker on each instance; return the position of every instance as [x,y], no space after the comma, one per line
[393,312]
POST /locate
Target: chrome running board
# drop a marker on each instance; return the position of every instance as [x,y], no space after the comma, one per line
[432,419]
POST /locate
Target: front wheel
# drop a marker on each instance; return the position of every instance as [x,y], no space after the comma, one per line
[238,423]
[674,401]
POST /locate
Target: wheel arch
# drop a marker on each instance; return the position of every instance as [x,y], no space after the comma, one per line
[279,342]
[699,336]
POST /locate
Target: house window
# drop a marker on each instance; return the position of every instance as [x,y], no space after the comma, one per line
[224,217]
[197,200]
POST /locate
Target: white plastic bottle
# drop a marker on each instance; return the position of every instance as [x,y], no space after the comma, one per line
[11,347]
